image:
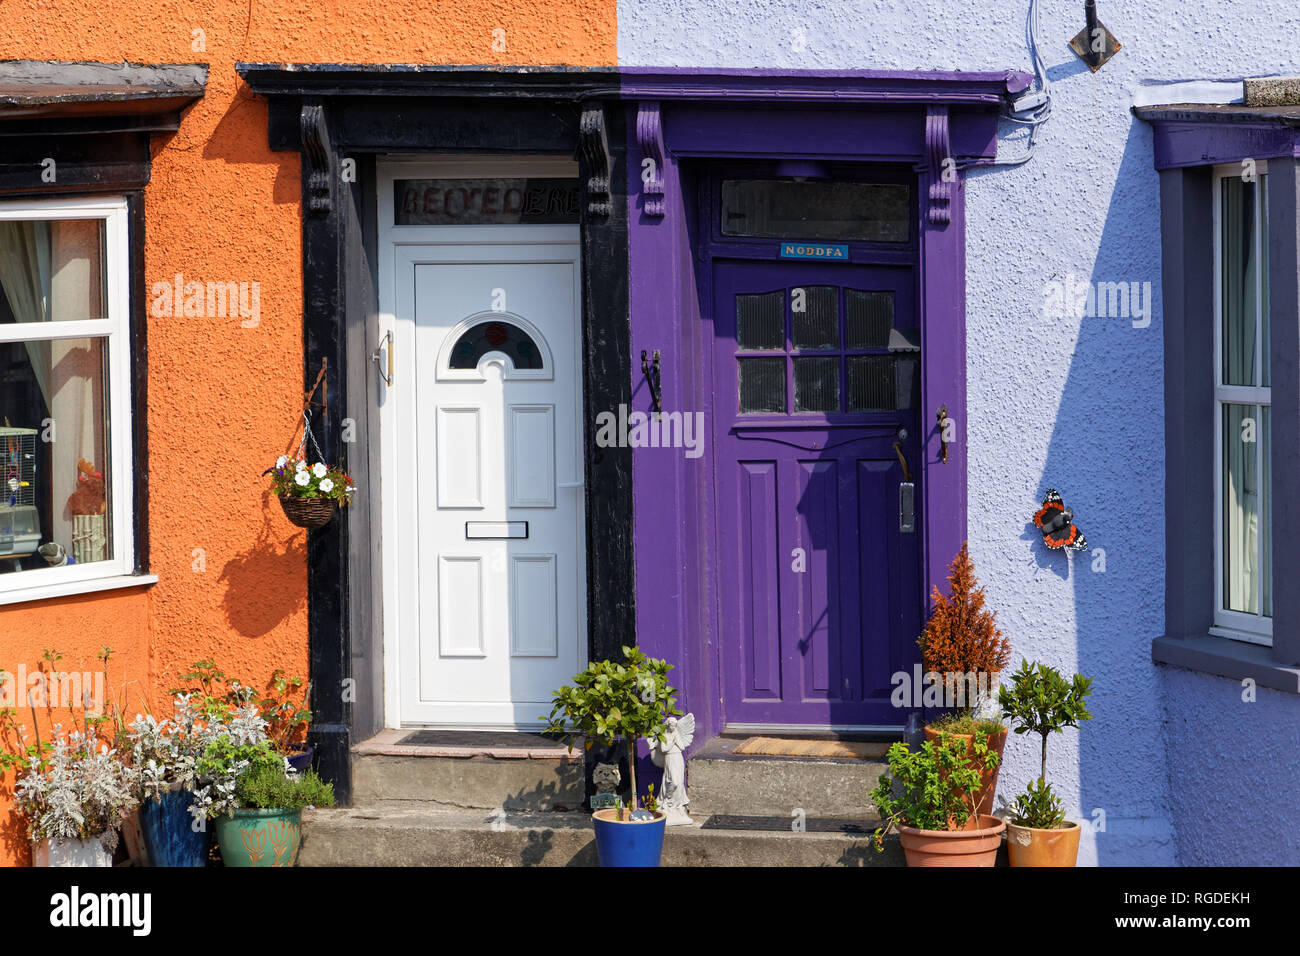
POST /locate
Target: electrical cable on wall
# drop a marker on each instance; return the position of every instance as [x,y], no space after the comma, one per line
[1033,107]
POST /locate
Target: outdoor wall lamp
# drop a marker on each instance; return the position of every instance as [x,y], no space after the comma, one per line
[1094,43]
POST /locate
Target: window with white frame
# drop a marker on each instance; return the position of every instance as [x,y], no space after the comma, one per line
[1243,519]
[65,411]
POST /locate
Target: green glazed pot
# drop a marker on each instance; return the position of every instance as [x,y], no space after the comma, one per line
[260,837]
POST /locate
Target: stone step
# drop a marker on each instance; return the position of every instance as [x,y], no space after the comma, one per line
[410,833]
[779,786]
[521,778]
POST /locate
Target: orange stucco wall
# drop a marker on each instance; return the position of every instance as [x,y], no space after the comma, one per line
[222,398]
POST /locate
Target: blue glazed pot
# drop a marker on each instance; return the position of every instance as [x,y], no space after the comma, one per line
[301,760]
[169,837]
[628,844]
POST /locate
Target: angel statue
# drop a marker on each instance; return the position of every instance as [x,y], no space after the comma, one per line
[667,752]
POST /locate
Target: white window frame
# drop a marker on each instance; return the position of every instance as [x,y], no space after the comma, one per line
[1236,625]
[39,583]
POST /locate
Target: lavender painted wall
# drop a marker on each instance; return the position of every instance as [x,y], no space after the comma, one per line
[1074,404]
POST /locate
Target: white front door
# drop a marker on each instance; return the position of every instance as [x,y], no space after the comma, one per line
[489,529]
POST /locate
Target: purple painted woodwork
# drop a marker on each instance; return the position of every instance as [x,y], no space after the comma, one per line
[1198,135]
[814,640]
[840,116]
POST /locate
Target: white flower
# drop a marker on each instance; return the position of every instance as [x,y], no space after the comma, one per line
[319,470]
[301,466]
[326,485]
[282,461]
[302,479]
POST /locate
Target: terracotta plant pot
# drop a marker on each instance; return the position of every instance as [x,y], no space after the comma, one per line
[969,847]
[989,777]
[1029,846]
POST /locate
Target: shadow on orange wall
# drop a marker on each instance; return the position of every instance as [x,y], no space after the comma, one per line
[270,557]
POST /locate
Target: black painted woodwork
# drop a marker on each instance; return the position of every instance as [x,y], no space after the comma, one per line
[330,113]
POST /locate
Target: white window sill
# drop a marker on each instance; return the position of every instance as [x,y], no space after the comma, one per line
[42,592]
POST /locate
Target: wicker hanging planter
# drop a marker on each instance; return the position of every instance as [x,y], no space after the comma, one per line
[309,513]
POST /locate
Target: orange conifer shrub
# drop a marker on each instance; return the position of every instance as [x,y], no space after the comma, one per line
[962,636]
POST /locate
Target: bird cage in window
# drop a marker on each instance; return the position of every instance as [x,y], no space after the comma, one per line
[20,528]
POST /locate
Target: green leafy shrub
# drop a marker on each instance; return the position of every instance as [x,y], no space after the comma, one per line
[1038,807]
[610,699]
[933,788]
[268,787]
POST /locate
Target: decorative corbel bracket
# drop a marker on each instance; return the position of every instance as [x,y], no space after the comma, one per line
[317,157]
[593,148]
[650,138]
[941,165]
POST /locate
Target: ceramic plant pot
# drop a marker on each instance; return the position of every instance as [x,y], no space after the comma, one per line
[970,847]
[300,760]
[1029,846]
[168,830]
[133,839]
[77,853]
[989,776]
[624,843]
[260,837]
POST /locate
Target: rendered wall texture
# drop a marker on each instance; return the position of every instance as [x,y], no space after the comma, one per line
[223,397]
[1074,404]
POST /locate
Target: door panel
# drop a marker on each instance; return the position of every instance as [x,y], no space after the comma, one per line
[814,381]
[499,618]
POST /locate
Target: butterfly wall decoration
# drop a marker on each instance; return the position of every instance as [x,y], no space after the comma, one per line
[1056,522]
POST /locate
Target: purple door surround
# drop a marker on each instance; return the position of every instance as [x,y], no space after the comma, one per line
[684,121]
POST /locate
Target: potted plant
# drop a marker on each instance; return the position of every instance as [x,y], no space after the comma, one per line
[74,795]
[165,755]
[608,700]
[930,796]
[1041,701]
[254,798]
[284,706]
[961,643]
[309,493]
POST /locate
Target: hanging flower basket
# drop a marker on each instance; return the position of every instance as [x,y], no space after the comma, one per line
[310,494]
[309,512]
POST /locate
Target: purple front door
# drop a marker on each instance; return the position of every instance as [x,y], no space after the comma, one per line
[816,383]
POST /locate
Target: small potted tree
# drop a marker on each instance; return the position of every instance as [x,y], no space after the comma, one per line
[606,701]
[930,796]
[1042,702]
[963,646]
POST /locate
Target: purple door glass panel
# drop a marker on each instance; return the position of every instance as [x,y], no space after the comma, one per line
[819,589]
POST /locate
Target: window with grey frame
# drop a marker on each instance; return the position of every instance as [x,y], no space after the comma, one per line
[1243,413]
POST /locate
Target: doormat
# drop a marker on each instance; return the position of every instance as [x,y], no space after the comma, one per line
[723,821]
[483,739]
[789,747]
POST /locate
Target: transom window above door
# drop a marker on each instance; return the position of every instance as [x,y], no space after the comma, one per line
[823,349]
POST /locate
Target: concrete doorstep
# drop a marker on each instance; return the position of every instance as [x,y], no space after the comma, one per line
[411,833]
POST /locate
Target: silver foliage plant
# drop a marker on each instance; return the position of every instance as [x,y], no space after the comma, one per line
[82,792]
[214,795]
[166,752]
[169,753]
